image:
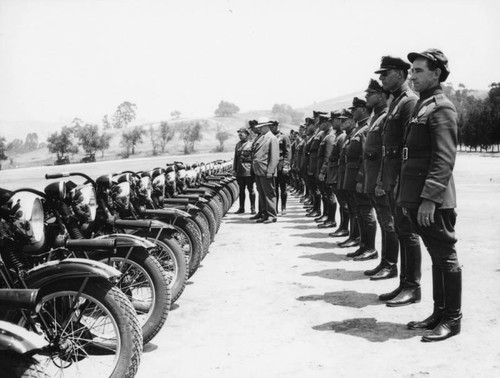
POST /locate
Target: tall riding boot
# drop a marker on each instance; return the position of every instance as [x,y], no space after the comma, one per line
[389,261]
[411,291]
[241,209]
[354,233]
[284,197]
[379,267]
[450,322]
[402,278]
[343,229]
[369,251]
[360,240]
[438,295]
[252,203]
[324,216]
[332,212]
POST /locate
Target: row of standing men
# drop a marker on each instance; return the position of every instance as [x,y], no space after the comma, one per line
[389,159]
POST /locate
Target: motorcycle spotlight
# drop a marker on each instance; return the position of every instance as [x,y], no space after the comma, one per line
[28,217]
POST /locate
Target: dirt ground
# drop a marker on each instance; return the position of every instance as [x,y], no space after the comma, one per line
[281,300]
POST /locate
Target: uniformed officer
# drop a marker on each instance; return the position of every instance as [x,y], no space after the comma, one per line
[265,163]
[258,135]
[427,189]
[242,163]
[316,139]
[348,126]
[335,174]
[310,131]
[376,99]
[325,177]
[393,75]
[297,160]
[283,166]
[325,125]
[360,202]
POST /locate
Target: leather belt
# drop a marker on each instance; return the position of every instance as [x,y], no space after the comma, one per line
[414,154]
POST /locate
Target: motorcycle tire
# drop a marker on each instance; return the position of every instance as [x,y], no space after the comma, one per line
[15,365]
[189,236]
[99,300]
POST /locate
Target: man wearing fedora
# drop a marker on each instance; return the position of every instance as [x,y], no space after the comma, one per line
[393,73]
[264,164]
[242,164]
[427,191]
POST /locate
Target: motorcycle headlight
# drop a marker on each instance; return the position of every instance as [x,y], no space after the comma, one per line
[85,202]
[159,182]
[28,217]
[121,194]
[145,186]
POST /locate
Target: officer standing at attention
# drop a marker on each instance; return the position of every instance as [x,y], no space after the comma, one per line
[242,164]
[325,125]
[376,99]
[325,177]
[363,209]
[335,174]
[393,76]
[283,166]
[427,190]
[258,135]
[265,163]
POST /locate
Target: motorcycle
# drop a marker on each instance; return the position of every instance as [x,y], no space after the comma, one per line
[90,325]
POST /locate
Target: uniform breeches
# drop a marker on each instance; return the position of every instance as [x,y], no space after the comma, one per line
[267,196]
[439,238]
[366,215]
[383,210]
[406,233]
[246,183]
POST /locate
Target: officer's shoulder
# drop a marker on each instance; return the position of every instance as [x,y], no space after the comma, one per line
[443,102]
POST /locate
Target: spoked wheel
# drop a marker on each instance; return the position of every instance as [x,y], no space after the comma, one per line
[188,235]
[146,284]
[94,333]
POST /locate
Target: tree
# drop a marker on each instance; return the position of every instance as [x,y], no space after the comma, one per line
[131,138]
[286,114]
[175,114]
[15,146]
[31,142]
[226,109]
[3,147]
[221,135]
[62,143]
[105,122]
[91,140]
[191,134]
[167,133]
[124,114]
[154,140]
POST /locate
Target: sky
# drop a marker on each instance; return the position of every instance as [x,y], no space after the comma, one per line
[61,59]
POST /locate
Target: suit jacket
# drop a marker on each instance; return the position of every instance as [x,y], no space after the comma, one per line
[266,155]
[398,116]
[430,148]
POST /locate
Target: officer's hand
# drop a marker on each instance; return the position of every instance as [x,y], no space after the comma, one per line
[321,177]
[379,192]
[269,175]
[359,187]
[425,215]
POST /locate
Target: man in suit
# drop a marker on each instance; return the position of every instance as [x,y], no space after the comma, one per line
[427,190]
[265,163]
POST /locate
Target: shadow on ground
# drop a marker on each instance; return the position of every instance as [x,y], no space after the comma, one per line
[324,245]
[345,298]
[330,256]
[338,274]
[370,329]
[310,234]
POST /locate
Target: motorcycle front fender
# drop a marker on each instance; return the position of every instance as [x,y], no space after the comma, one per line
[57,270]
[18,339]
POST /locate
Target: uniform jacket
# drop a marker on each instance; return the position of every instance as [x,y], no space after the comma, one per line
[372,153]
[284,150]
[333,159]
[342,163]
[265,155]
[430,148]
[325,150]
[297,156]
[354,155]
[306,153]
[398,116]
[242,162]
[313,152]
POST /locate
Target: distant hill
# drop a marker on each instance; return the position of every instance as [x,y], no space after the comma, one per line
[332,104]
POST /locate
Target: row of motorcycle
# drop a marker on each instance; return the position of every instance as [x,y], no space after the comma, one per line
[89,268]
